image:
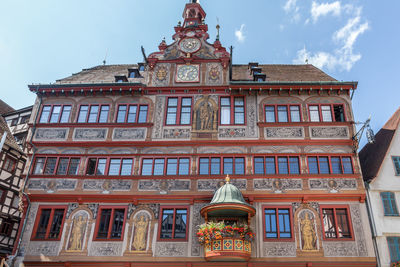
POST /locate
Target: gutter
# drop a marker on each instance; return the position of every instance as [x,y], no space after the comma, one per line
[372,224]
[352,83]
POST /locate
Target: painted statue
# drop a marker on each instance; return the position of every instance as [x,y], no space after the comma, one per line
[139,239]
[78,230]
[308,233]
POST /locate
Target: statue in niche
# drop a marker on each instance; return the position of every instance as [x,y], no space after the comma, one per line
[308,233]
[77,233]
[140,235]
[205,115]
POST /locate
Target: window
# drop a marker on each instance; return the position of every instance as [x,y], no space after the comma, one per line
[394,248]
[327,113]
[55,165]
[179,111]
[55,114]
[173,225]
[49,223]
[9,164]
[389,204]
[168,166]
[277,223]
[110,223]
[396,162]
[106,166]
[282,113]
[330,164]
[93,113]
[6,227]
[14,122]
[132,113]
[276,165]
[232,110]
[228,165]
[336,223]
[25,119]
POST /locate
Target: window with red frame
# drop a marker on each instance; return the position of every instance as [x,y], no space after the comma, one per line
[49,223]
[132,113]
[6,227]
[165,166]
[93,113]
[9,164]
[232,110]
[336,222]
[55,114]
[110,223]
[330,164]
[173,225]
[109,166]
[179,111]
[277,223]
[326,113]
[276,165]
[56,165]
[228,165]
[282,113]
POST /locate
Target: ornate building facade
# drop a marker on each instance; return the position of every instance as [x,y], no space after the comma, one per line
[128,157]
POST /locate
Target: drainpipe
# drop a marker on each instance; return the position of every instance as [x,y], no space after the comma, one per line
[22,229]
[372,224]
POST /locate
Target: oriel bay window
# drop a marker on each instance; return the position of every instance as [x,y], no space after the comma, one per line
[276,165]
[109,166]
[326,113]
[336,223]
[173,225]
[110,223]
[232,110]
[56,165]
[228,165]
[282,113]
[55,114]
[93,113]
[179,110]
[49,222]
[277,223]
[132,113]
[330,164]
[166,166]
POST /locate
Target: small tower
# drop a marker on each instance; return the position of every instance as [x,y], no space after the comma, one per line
[193,14]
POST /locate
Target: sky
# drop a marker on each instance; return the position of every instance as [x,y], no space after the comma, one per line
[45,40]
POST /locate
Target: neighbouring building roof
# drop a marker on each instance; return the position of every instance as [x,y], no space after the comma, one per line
[10,141]
[4,107]
[22,110]
[372,155]
[274,72]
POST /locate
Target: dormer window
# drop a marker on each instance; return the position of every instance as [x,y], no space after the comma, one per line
[259,77]
[120,79]
[134,73]
[141,67]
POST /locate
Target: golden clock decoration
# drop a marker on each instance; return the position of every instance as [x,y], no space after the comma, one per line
[161,73]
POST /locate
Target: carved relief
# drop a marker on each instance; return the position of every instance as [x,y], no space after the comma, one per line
[251,117]
[158,117]
[279,249]
[90,134]
[340,249]
[52,185]
[161,74]
[214,74]
[205,115]
[231,132]
[129,134]
[329,132]
[214,184]
[358,230]
[278,185]
[51,134]
[107,185]
[176,133]
[171,249]
[333,185]
[196,220]
[284,132]
[106,249]
[38,248]
[164,185]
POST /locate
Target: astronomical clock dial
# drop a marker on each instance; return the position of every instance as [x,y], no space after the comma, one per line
[187,73]
[189,45]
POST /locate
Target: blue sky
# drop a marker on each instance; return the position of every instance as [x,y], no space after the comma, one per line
[44,40]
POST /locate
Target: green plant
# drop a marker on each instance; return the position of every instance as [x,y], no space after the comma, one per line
[218,230]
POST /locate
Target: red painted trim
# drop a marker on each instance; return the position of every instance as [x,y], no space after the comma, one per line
[89,111]
[329,156]
[304,124]
[276,207]
[334,207]
[199,73]
[38,215]
[92,125]
[58,157]
[331,108]
[288,114]
[276,157]
[107,166]
[232,110]
[109,239]
[221,168]
[165,166]
[51,112]
[179,100]
[173,226]
[128,105]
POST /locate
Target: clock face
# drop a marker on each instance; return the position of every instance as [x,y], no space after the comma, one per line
[187,73]
[190,45]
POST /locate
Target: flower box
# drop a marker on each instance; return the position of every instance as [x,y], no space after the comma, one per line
[228,249]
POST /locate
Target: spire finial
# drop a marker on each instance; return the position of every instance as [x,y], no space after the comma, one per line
[227,179]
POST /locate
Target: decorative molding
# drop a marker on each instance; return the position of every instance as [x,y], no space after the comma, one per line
[176,133]
[196,220]
[214,184]
[163,185]
[90,134]
[94,208]
[332,185]
[283,132]
[171,249]
[105,249]
[122,134]
[339,249]
[51,134]
[251,121]
[231,132]
[278,185]
[52,185]
[71,208]
[279,249]
[214,74]
[161,74]
[358,230]
[158,117]
[38,248]
[329,132]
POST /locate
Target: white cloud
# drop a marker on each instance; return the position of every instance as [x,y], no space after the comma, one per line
[323,9]
[239,34]
[291,8]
